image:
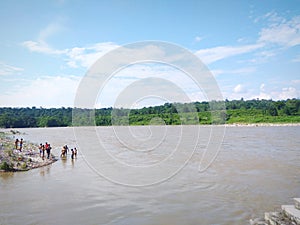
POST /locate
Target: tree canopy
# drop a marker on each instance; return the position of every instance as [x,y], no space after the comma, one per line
[237,111]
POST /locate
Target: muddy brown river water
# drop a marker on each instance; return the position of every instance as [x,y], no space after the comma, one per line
[257,169]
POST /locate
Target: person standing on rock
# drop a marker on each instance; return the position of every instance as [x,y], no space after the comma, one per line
[43,152]
[16,143]
[46,146]
[48,149]
[21,144]
[41,149]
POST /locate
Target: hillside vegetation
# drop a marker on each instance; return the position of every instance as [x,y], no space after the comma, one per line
[237,111]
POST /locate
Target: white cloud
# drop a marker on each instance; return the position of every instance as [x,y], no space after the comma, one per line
[262,87]
[289,92]
[239,88]
[55,91]
[261,95]
[75,57]
[239,91]
[124,78]
[281,31]
[217,72]
[295,81]
[50,30]
[275,94]
[197,38]
[6,69]
[211,55]
[86,56]
[41,47]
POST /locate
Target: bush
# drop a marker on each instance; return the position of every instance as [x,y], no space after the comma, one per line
[24,166]
[5,166]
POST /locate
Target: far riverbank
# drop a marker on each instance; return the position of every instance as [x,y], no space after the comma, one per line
[263,124]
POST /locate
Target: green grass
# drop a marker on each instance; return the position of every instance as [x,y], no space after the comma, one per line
[257,116]
[243,116]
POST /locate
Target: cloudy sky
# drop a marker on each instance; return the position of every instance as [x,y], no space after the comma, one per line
[252,48]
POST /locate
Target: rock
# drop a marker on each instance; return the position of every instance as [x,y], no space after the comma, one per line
[292,213]
[258,221]
[297,203]
[289,215]
[14,160]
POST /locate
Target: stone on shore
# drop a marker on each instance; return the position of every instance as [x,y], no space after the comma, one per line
[297,203]
[289,215]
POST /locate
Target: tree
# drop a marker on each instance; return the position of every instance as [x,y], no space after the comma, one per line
[273,111]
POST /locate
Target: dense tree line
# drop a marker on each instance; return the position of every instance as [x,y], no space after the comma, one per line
[237,111]
[35,117]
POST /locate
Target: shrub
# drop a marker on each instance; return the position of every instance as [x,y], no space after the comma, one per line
[5,166]
[24,166]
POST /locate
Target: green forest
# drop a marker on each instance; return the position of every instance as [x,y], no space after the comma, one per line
[229,112]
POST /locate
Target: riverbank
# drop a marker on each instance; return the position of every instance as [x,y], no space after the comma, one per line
[13,160]
[263,124]
[288,215]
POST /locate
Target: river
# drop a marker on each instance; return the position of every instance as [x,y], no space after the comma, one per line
[257,169]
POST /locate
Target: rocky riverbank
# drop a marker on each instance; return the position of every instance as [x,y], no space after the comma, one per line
[288,215]
[14,160]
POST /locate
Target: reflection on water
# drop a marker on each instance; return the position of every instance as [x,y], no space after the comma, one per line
[72,161]
[64,162]
[257,170]
[44,170]
[6,176]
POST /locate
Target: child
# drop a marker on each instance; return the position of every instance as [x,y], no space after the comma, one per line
[41,149]
[21,144]
[75,152]
[17,143]
[72,153]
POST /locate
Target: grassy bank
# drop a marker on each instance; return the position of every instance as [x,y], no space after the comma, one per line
[258,116]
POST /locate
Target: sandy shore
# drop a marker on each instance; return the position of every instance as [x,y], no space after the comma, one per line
[14,160]
[262,124]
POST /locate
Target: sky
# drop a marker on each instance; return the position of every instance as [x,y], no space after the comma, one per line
[251,48]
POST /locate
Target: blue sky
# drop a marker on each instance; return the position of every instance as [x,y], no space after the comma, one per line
[251,47]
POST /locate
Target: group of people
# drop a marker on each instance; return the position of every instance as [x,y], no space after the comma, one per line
[46,147]
[65,150]
[19,144]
